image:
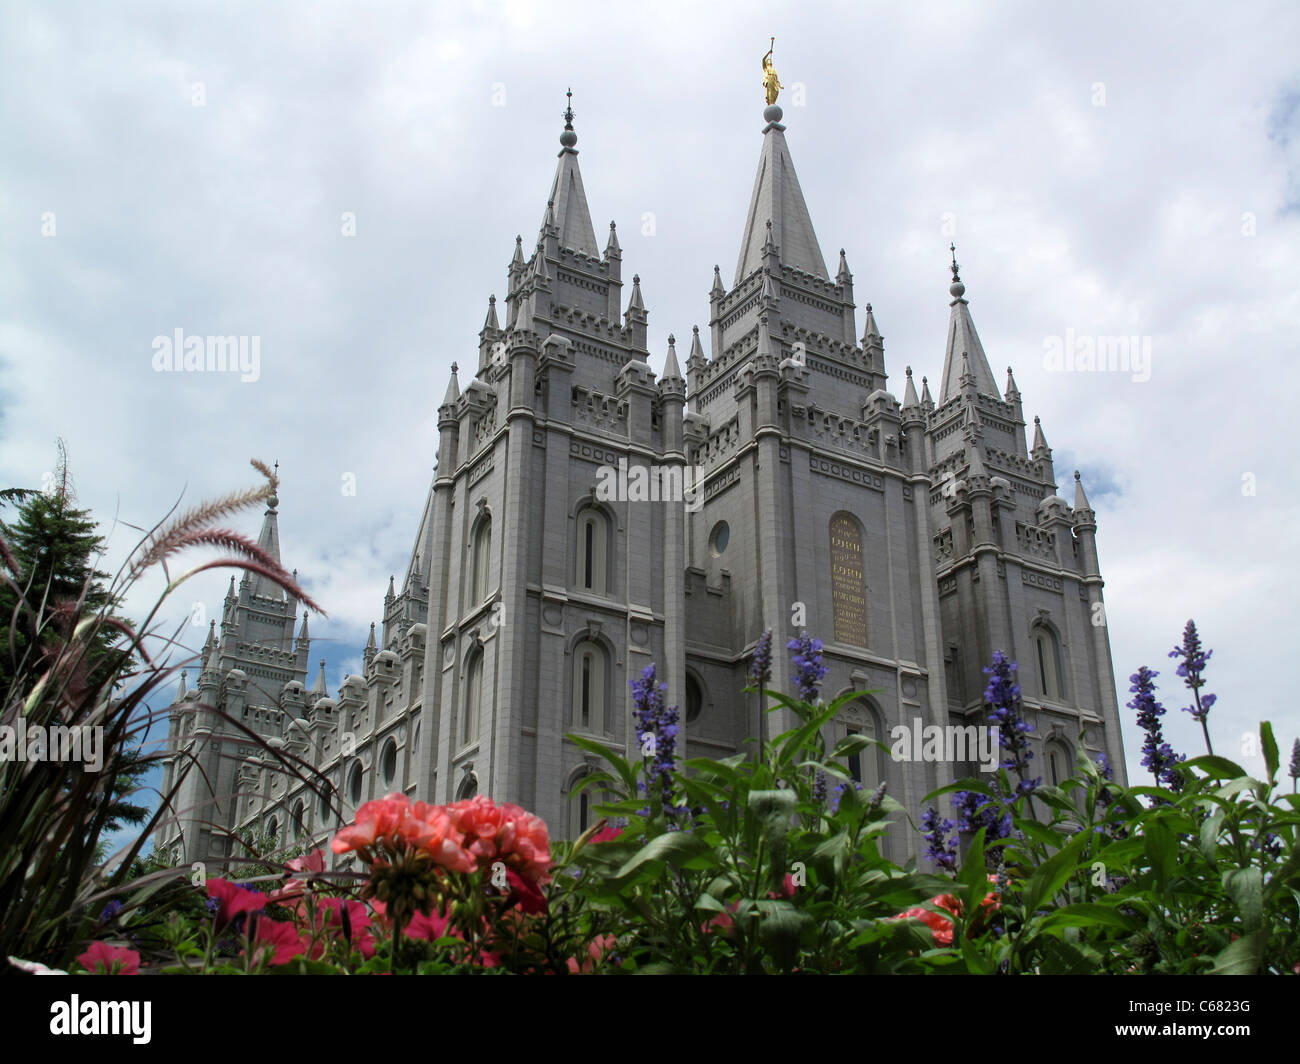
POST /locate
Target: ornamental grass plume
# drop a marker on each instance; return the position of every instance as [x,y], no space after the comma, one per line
[1191,669]
[1157,755]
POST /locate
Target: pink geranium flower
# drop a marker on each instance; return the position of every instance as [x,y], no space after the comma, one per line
[396,824]
[506,832]
[294,888]
[103,959]
[233,900]
[596,950]
[283,940]
[329,916]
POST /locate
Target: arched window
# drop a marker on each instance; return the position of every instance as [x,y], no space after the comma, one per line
[1047,656]
[468,787]
[471,710]
[866,766]
[273,830]
[388,763]
[299,818]
[1060,763]
[481,561]
[593,551]
[354,784]
[583,804]
[590,687]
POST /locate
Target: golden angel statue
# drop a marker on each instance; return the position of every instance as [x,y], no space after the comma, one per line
[771,84]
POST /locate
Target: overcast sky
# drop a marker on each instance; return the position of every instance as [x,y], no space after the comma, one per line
[1108,170]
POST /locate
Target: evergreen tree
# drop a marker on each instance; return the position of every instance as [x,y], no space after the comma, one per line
[53,545]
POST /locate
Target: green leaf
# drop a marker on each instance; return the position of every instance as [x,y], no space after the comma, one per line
[1246,887]
[1216,767]
[1053,874]
[1270,750]
[1089,914]
[1162,853]
[1242,957]
[968,784]
[675,847]
[1041,833]
[1063,958]
[1210,835]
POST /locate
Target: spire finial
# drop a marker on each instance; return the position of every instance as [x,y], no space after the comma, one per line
[568,138]
[957,289]
[455,368]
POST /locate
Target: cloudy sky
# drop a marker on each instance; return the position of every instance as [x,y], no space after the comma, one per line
[1115,170]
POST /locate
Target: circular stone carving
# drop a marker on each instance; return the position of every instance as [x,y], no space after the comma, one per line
[552,614]
[909,686]
[449,653]
[639,634]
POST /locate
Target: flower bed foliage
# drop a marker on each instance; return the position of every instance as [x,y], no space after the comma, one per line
[740,866]
[765,862]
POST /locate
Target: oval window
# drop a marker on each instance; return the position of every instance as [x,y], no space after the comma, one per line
[719,538]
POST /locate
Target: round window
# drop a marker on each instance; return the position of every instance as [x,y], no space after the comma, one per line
[694,699]
[719,538]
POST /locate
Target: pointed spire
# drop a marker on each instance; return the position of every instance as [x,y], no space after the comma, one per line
[612,247]
[370,643]
[697,349]
[926,399]
[490,324]
[869,329]
[230,593]
[1012,393]
[524,318]
[964,342]
[269,540]
[778,199]
[843,276]
[976,463]
[453,388]
[320,688]
[768,294]
[210,650]
[540,273]
[1080,499]
[636,303]
[392,593]
[672,372]
[180,689]
[567,210]
[517,261]
[909,392]
[303,637]
[717,291]
[1040,441]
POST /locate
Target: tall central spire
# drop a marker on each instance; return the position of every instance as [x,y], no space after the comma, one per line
[963,352]
[269,541]
[567,207]
[778,199]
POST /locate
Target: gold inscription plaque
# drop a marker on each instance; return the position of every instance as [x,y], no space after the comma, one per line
[848,588]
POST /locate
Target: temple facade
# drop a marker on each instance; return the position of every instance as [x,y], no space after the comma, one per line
[589,517]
